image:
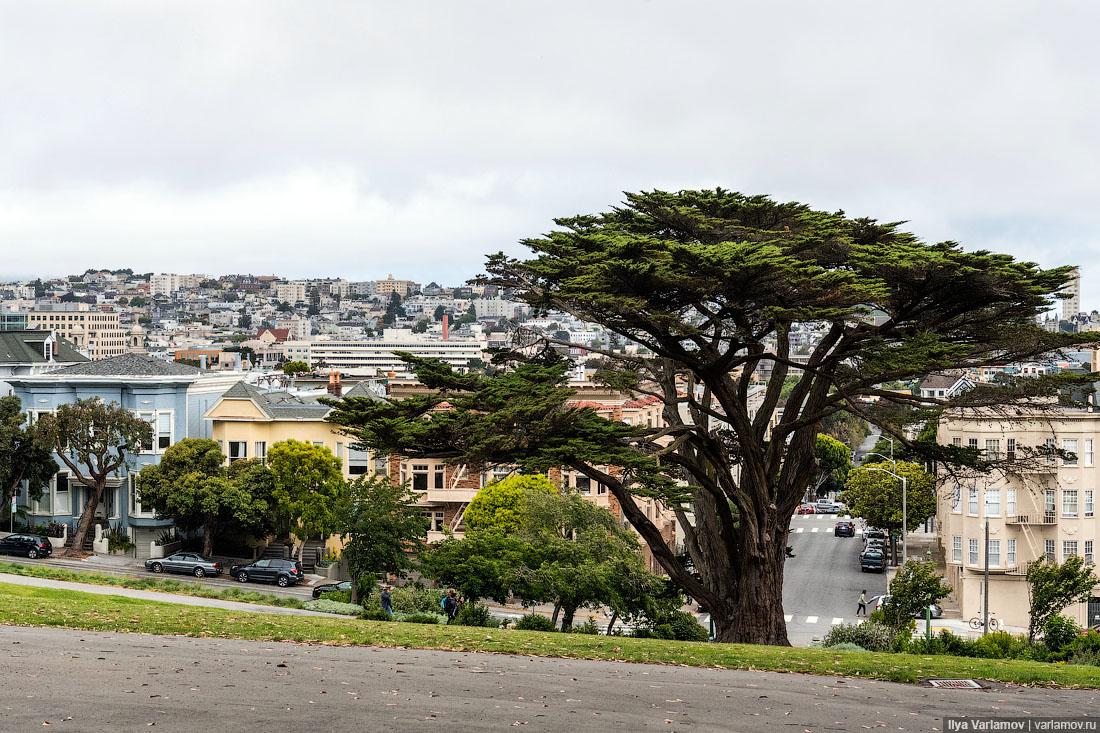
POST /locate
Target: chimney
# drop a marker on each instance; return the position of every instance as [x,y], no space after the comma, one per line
[446,327]
[202,361]
[334,387]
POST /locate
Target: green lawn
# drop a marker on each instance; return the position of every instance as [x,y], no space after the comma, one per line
[29,606]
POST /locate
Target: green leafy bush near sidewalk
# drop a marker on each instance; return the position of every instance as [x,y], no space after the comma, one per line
[326,606]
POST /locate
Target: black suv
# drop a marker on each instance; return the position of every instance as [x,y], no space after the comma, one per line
[269,570]
[30,545]
[845,529]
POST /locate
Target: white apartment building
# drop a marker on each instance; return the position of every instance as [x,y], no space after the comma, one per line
[1041,507]
[168,283]
[299,328]
[291,292]
[376,356]
[96,333]
[499,308]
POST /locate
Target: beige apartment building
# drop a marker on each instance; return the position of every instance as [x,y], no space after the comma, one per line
[1039,506]
[93,332]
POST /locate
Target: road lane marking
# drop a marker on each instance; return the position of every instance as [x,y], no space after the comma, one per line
[811,619]
[796,530]
[788,618]
[837,621]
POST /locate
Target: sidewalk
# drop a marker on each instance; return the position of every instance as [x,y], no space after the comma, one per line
[148,595]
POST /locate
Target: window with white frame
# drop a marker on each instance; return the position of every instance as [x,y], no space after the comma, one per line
[584,484]
[1088,452]
[1010,553]
[1048,448]
[601,489]
[259,450]
[1010,449]
[992,449]
[957,548]
[164,431]
[1048,550]
[972,502]
[318,444]
[957,442]
[440,481]
[972,443]
[956,500]
[1069,502]
[994,553]
[382,465]
[993,502]
[1088,550]
[973,542]
[1010,502]
[1069,549]
[358,462]
[1088,503]
[420,477]
[238,450]
[151,418]
[1048,502]
[435,520]
[1070,446]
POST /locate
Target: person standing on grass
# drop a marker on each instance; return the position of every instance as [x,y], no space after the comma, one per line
[387,605]
[862,603]
[450,606]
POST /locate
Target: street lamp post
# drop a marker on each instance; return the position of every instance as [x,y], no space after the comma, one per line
[904,509]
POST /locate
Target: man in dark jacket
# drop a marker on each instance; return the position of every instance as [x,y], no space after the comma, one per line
[450,606]
[385,597]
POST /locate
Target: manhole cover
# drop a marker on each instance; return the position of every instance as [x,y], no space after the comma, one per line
[963,684]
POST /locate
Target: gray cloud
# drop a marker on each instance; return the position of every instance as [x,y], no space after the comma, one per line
[368,138]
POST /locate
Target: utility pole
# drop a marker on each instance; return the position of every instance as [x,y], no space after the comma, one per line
[904,523]
[985,626]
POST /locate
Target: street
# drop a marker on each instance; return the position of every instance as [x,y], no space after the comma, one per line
[821,583]
[81,681]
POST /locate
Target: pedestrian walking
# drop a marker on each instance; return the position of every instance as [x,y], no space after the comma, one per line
[450,606]
[387,606]
[862,603]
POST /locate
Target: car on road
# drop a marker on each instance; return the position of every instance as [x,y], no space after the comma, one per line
[807,509]
[828,506]
[269,570]
[873,533]
[877,602]
[191,563]
[342,587]
[28,545]
[845,529]
[872,560]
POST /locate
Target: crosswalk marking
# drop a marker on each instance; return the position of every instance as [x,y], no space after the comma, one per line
[788,618]
[814,529]
[811,619]
[837,621]
[796,530]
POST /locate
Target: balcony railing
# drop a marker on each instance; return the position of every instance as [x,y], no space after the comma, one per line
[1037,518]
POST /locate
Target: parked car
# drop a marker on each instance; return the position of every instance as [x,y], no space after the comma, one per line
[28,545]
[845,529]
[828,506]
[874,533]
[191,563]
[878,601]
[269,570]
[873,560]
[807,509]
[343,587]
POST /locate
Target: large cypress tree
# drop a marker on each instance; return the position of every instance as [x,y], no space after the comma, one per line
[708,285]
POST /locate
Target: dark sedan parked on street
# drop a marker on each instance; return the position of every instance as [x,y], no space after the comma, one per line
[872,560]
[191,563]
[343,587]
[269,570]
[28,545]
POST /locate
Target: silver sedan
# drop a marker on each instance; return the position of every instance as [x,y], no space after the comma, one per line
[191,563]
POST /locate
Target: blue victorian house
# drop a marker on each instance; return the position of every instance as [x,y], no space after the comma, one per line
[171,397]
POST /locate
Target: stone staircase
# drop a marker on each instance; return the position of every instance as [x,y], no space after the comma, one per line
[88,538]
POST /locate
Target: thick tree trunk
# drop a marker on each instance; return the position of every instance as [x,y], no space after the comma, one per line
[611,623]
[208,538]
[557,610]
[87,516]
[567,617]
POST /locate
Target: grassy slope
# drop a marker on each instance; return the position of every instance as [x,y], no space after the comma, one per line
[28,606]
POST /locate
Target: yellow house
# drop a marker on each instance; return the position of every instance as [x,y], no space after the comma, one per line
[246,422]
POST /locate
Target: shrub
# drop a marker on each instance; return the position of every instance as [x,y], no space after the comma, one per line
[474,614]
[535,622]
[871,636]
[1059,632]
[406,599]
[375,614]
[117,539]
[588,627]
[675,625]
[326,606]
[846,647]
[999,645]
[342,596]
[420,618]
[1085,649]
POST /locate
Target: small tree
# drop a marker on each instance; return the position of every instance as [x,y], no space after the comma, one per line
[192,487]
[24,454]
[439,313]
[916,586]
[1052,586]
[380,521]
[876,496]
[309,488]
[94,440]
[834,461]
[295,367]
[421,326]
[501,505]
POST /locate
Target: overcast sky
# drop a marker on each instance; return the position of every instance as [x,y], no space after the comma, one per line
[359,139]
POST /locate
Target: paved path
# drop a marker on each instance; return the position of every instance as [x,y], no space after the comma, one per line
[149,595]
[83,681]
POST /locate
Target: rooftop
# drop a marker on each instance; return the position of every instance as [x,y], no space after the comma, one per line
[130,365]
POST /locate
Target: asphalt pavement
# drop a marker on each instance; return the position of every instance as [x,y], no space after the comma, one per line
[822,582]
[84,681]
